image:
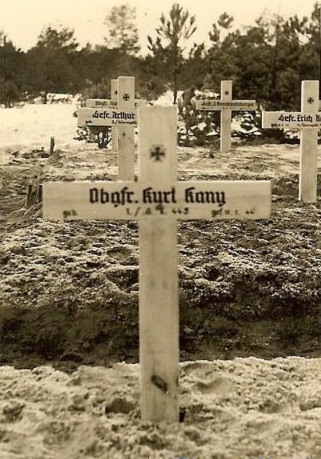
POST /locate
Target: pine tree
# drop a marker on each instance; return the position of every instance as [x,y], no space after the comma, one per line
[167,49]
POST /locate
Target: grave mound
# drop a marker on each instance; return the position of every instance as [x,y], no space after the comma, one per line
[69,291]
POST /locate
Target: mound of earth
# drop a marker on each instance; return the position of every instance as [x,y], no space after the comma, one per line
[69,291]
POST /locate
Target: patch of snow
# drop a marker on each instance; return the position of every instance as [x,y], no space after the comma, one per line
[34,125]
[167,98]
[245,408]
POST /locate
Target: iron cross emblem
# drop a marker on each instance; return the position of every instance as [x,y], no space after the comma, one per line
[126,96]
[310,100]
[157,152]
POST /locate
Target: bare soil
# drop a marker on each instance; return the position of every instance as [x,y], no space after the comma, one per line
[69,291]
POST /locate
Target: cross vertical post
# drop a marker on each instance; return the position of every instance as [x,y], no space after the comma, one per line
[126,144]
[308,121]
[309,144]
[226,117]
[114,129]
[158,278]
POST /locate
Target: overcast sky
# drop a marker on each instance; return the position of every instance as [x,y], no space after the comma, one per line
[23,20]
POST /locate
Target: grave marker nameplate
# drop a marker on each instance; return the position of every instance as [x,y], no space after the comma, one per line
[309,122]
[290,120]
[226,105]
[106,116]
[108,103]
[157,200]
[124,117]
[101,103]
[112,103]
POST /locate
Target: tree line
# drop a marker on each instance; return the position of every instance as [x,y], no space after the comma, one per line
[266,61]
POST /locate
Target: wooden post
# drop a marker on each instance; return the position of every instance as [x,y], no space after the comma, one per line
[157,200]
[226,105]
[120,114]
[34,194]
[158,290]
[309,144]
[52,145]
[309,122]
[114,129]
[112,103]
[226,117]
[126,144]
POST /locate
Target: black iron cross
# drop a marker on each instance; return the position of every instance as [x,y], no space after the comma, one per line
[126,96]
[310,100]
[157,153]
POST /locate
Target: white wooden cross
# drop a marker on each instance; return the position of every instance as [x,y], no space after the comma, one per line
[226,105]
[309,122]
[157,200]
[113,102]
[124,117]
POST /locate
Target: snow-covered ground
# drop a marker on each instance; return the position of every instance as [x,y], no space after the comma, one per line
[241,409]
[34,124]
[246,408]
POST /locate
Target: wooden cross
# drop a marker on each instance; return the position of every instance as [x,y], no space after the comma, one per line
[123,116]
[157,200]
[226,105]
[309,122]
[113,102]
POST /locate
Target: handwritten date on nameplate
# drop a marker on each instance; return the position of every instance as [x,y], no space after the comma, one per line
[131,201]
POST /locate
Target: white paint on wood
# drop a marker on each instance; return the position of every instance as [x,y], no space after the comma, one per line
[235,105]
[158,289]
[226,105]
[158,297]
[126,144]
[219,200]
[109,103]
[309,144]
[226,117]
[106,116]
[290,120]
[309,122]
[123,117]
[114,129]
[140,103]
[101,103]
